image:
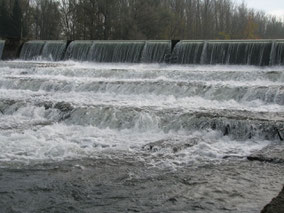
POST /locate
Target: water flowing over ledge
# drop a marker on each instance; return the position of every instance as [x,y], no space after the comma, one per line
[234,52]
[2,44]
[43,50]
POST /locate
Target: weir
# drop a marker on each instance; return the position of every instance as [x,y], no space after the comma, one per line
[233,52]
[54,50]
[187,52]
[156,51]
[2,44]
[31,50]
[277,55]
[43,50]
[238,52]
[78,50]
[116,51]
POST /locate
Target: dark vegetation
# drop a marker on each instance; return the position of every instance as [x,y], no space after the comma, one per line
[135,19]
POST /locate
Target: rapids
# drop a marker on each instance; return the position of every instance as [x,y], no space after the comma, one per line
[230,109]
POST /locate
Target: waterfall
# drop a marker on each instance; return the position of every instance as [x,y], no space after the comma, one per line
[78,50]
[188,52]
[156,51]
[2,44]
[234,52]
[277,56]
[116,51]
[54,50]
[238,52]
[32,50]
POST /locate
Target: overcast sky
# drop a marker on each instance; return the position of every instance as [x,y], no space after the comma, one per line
[275,7]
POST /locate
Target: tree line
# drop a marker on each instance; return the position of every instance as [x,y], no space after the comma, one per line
[135,19]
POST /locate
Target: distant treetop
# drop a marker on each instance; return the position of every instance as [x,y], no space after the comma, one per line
[135,19]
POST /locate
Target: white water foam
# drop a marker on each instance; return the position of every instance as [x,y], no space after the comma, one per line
[195,103]
[59,142]
[32,133]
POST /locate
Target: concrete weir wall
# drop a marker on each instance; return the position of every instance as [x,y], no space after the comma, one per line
[235,52]
[12,49]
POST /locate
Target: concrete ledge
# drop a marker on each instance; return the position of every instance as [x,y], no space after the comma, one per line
[12,49]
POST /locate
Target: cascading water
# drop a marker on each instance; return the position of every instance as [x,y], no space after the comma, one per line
[78,50]
[32,50]
[156,51]
[179,86]
[277,56]
[188,52]
[116,51]
[2,44]
[260,53]
[180,135]
[53,50]
[238,52]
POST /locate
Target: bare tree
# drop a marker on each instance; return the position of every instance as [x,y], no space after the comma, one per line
[139,19]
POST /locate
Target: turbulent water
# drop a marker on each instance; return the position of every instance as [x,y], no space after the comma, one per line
[53,50]
[136,137]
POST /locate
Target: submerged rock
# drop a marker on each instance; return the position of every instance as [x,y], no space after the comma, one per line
[270,154]
[64,107]
[170,144]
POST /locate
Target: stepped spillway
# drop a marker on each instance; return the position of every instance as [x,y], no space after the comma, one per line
[241,103]
[79,130]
